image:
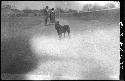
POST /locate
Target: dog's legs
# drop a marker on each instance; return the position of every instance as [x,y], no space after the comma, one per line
[64,34]
[69,34]
[60,35]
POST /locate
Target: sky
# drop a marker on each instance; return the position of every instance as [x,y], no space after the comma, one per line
[63,4]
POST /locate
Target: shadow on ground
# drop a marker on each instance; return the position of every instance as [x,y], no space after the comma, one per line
[16,56]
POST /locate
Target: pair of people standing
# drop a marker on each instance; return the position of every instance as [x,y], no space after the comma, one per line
[49,15]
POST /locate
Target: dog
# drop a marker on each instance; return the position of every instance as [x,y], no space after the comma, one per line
[62,29]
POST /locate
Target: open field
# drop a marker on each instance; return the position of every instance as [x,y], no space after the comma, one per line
[30,50]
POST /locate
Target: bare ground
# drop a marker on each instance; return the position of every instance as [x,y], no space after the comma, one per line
[35,52]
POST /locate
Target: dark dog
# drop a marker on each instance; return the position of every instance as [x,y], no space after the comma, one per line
[62,29]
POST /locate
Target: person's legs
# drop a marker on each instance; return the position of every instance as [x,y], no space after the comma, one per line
[50,19]
[46,20]
[53,19]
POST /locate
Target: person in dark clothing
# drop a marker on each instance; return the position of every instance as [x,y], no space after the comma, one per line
[46,14]
[52,16]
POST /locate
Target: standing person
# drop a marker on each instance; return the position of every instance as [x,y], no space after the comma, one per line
[52,16]
[46,14]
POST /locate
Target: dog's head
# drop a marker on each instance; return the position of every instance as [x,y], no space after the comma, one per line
[57,25]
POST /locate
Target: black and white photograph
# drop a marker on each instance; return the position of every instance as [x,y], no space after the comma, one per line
[60,40]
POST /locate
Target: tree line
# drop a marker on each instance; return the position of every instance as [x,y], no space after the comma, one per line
[32,12]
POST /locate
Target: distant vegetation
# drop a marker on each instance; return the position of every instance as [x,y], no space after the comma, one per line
[8,10]
[95,7]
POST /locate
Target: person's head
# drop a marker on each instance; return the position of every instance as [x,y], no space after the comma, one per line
[47,7]
[52,9]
